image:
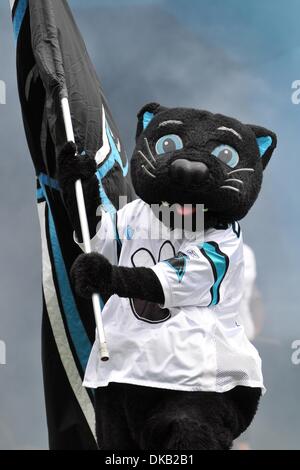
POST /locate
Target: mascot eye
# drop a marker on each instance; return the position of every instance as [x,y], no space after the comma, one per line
[168,143]
[227,155]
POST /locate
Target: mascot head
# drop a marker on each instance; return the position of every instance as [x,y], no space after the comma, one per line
[192,157]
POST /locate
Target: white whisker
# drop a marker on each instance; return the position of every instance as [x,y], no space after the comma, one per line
[241,169]
[148,149]
[234,179]
[145,158]
[231,188]
[148,172]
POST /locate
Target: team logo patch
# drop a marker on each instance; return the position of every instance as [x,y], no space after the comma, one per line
[150,312]
[178,263]
[129,232]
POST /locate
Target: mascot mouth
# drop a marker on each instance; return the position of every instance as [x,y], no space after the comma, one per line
[186,210]
[184,216]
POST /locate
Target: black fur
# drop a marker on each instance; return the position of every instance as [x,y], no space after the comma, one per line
[130,417]
[95,274]
[134,417]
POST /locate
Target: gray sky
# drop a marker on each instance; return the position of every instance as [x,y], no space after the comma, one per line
[237,58]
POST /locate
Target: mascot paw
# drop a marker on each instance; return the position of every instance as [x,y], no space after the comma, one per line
[91,273]
[72,167]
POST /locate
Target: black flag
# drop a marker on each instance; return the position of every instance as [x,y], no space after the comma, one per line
[51,61]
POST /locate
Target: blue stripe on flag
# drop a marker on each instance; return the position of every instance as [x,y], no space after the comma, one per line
[39,193]
[77,331]
[19,16]
[103,170]
[47,181]
[113,158]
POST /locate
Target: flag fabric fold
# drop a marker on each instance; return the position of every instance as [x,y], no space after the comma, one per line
[52,62]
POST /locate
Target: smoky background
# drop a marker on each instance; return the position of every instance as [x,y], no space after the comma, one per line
[236,58]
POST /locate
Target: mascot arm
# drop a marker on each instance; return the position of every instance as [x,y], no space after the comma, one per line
[177,282]
[70,168]
[93,273]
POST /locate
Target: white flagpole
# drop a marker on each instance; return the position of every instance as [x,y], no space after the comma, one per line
[85,231]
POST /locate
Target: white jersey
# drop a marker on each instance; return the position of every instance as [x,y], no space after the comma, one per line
[194,341]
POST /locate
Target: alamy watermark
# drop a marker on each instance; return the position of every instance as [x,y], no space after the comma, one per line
[2,353]
[169,221]
[2,92]
[296,93]
[295,357]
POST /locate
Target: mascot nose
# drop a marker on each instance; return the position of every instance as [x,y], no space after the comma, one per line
[188,173]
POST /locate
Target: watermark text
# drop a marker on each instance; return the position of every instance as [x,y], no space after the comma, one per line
[2,92]
[168,221]
[2,353]
[296,94]
[295,358]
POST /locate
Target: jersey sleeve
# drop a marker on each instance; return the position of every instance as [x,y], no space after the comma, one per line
[194,276]
[106,238]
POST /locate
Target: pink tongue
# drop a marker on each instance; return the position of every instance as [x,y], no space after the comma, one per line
[185,210]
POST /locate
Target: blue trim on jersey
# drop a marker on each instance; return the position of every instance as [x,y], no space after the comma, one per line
[76,329]
[19,17]
[219,263]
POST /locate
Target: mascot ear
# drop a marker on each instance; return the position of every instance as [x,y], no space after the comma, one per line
[145,116]
[266,142]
